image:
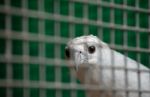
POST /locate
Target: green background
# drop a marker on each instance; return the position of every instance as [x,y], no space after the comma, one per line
[50,47]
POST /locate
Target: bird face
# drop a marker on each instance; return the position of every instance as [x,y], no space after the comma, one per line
[83,51]
[76,54]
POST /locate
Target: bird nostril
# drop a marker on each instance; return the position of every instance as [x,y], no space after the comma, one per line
[67,52]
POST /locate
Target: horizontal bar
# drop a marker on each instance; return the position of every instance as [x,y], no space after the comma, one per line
[60,86]
[58,63]
[33,37]
[70,19]
[112,5]
[59,40]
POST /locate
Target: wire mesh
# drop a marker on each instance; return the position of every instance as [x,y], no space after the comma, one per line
[33,35]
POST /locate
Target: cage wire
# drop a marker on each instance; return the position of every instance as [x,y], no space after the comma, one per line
[33,35]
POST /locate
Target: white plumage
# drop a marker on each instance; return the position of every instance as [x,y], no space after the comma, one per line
[105,68]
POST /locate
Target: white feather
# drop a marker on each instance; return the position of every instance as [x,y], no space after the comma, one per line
[106,69]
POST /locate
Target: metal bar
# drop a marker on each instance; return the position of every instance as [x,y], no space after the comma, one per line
[51,39]
[58,17]
[99,20]
[149,34]
[25,52]
[60,63]
[85,19]
[60,86]
[125,44]
[137,46]
[41,50]
[71,35]
[114,6]
[33,37]
[57,47]
[8,52]
[112,19]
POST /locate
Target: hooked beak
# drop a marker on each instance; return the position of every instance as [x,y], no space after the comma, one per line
[79,59]
[76,57]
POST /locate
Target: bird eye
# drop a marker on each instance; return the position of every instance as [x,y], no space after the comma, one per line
[67,52]
[91,49]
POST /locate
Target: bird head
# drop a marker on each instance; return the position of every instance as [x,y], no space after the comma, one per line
[84,51]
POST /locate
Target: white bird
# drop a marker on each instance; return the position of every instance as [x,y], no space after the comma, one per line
[107,72]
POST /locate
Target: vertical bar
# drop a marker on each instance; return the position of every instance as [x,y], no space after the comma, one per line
[125,39]
[149,35]
[72,31]
[113,44]
[139,74]
[57,48]
[112,23]
[100,34]
[41,50]
[8,52]
[71,13]
[137,47]
[99,20]
[149,22]
[25,51]
[85,15]
[149,25]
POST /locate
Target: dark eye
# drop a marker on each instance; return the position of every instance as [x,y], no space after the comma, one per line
[91,49]
[67,52]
